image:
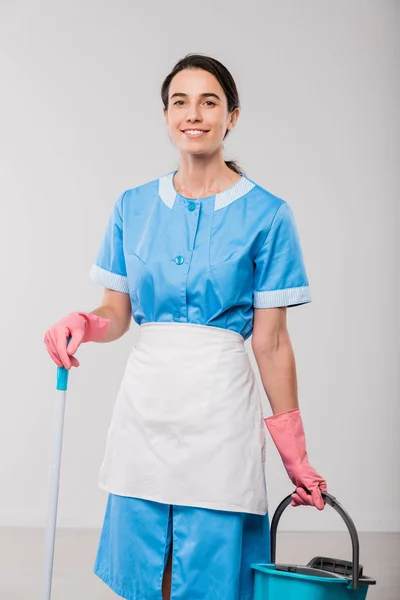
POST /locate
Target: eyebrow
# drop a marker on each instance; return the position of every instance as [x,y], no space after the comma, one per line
[206,95]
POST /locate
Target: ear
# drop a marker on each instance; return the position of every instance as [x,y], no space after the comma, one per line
[165,112]
[233,119]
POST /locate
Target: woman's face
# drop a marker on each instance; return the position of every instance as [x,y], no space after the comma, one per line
[197,115]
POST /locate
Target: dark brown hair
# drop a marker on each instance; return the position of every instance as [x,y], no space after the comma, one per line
[223,76]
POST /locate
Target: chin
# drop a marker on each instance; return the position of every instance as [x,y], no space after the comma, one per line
[189,149]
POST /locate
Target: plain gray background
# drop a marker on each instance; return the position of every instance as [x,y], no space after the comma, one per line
[81,121]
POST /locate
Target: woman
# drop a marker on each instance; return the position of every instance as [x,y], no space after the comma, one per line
[202,258]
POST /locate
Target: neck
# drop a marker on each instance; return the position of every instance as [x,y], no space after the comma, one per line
[196,178]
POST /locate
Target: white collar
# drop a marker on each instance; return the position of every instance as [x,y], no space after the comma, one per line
[168,193]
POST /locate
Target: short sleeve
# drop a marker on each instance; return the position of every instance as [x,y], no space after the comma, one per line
[109,267]
[280,277]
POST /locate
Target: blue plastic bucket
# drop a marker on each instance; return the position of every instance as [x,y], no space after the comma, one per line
[270,584]
[321,579]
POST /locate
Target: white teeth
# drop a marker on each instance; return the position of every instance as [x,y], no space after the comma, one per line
[194,131]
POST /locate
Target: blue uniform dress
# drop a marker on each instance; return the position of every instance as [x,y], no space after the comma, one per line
[209,262]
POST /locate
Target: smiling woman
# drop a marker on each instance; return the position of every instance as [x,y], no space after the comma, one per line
[201,103]
[206,258]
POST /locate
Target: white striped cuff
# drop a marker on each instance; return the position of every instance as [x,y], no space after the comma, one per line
[110,280]
[287,297]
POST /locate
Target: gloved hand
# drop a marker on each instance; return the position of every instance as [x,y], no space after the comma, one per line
[287,431]
[82,327]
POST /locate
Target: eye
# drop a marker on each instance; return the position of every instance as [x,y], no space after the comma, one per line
[210,102]
[177,102]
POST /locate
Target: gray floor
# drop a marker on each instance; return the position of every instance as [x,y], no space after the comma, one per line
[21,553]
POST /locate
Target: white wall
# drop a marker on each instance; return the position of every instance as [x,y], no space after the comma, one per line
[81,121]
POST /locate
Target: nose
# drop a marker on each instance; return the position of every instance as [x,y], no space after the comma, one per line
[193,113]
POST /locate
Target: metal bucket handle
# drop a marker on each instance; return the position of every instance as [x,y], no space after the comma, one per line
[331,500]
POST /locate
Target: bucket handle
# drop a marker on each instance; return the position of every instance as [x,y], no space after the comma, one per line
[331,500]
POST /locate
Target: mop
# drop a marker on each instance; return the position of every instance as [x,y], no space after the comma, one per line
[62,384]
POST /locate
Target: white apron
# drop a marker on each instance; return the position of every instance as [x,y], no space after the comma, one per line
[187,427]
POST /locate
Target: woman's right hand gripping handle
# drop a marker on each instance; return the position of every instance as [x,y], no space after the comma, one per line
[80,327]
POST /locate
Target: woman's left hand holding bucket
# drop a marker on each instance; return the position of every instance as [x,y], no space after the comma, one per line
[287,431]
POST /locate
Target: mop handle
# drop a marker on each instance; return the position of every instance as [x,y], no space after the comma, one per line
[62,384]
[332,501]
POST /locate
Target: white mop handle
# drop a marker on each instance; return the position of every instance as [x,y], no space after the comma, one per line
[62,380]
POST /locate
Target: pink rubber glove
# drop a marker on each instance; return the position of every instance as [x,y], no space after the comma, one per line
[82,327]
[287,431]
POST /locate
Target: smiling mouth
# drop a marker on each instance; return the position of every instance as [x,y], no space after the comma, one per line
[194,133]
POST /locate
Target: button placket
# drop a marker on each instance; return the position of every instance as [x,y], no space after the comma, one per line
[179,259]
[180,313]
